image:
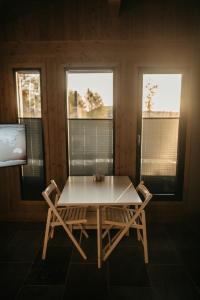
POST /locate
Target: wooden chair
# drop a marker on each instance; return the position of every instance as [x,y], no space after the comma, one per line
[62,216]
[125,218]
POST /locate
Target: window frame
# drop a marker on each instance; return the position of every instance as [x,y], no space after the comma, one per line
[39,70]
[91,69]
[182,131]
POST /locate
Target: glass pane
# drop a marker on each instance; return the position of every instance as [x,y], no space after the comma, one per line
[28,94]
[90,123]
[160,125]
[90,95]
[29,113]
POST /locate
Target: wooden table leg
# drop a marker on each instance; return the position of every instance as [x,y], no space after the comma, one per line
[99,238]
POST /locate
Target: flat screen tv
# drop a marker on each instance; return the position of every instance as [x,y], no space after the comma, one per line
[12,145]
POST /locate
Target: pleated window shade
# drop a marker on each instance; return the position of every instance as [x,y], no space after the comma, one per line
[90,146]
[159,146]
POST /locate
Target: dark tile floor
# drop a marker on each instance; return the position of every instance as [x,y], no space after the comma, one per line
[173,272]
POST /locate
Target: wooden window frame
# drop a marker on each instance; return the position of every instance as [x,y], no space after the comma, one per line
[182,132]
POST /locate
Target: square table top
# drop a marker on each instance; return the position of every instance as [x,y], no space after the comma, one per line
[113,190]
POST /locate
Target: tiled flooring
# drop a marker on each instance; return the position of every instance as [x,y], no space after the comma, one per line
[173,272]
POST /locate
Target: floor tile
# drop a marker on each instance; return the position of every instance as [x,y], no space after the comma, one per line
[164,256]
[127,254]
[53,269]
[86,276]
[172,273]
[194,273]
[190,256]
[183,236]
[38,292]
[89,246]
[77,293]
[172,283]
[158,238]
[60,239]
[23,246]
[12,277]
[130,293]
[128,267]
[6,235]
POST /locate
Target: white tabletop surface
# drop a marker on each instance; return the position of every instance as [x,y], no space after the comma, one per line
[113,190]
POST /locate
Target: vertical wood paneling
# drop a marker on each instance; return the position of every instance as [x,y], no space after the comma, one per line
[56,120]
[56,21]
[44,107]
[43,23]
[9,176]
[62,113]
[10,107]
[145,33]
[88,19]
[71,21]
[193,205]
[91,20]
[2,92]
[31,27]
[4,188]
[52,113]
[116,99]
[127,122]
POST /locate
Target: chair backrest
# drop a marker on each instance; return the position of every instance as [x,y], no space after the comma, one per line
[143,192]
[145,196]
[51,194]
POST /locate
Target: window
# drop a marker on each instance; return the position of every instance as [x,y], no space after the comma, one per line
[162,134]
[90,122]
[29,113]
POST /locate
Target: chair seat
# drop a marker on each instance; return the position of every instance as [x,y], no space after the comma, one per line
[118,216]
[71,215]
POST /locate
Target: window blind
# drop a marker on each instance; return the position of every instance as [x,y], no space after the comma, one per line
[33,181]
[90,146]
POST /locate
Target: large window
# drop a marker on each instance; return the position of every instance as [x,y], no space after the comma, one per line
[29,113]
[90,122]
[162,134]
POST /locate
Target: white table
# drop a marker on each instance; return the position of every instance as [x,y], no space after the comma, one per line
[84,191]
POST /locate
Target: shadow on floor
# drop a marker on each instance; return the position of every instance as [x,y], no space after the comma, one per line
[173,271]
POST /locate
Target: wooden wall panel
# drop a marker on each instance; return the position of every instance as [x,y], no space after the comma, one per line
[126,119]
[90,20]
[60,34]
[193,203]
[56,121]
[9,186]
[126,58]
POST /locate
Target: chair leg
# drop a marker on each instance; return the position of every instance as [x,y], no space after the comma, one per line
[106,231]
[137,221]
[46,237]
[80,238]
[52,228]
[146,259]
[128,233]
[84,231]
[138,234]
[52,232]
